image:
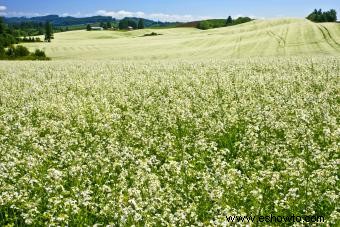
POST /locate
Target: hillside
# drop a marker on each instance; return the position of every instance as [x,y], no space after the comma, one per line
[282,37]
[58,21]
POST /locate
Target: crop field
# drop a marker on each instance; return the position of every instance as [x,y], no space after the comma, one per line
[281,37]
[161,143]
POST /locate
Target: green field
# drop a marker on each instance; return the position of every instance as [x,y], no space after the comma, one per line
[284,37]
[241,120]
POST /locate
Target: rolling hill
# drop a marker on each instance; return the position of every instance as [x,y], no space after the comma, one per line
[58,21]
[281,37]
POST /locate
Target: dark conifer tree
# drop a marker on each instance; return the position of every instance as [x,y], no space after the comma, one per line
[48,32]
[229,20]
[141,24]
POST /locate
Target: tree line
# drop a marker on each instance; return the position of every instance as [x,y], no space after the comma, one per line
[319,16]
[10,52]
[217,23]
[123,24]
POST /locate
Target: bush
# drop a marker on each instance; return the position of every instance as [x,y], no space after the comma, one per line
[39,53]
[7,40]
[241,20]
[204,25]
[2,51]
[152,34]
[21,51]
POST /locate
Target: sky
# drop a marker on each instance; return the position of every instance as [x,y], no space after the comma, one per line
[167,10]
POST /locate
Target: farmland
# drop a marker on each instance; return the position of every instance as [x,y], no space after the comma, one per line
[281,37]
[179,129]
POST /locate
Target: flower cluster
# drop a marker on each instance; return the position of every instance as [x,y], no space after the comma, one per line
[168,144]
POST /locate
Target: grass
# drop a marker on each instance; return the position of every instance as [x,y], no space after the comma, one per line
[283,37]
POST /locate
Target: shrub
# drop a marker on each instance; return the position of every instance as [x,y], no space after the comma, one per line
[21,51]
[39,53]
[152,34]
[2,51]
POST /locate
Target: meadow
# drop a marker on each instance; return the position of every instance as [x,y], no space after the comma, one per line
[281,37]
[104,134]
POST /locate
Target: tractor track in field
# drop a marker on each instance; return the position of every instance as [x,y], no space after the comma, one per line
[237,47]
[281,41]
[328,37]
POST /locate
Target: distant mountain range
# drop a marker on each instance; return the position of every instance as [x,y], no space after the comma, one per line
[71,21]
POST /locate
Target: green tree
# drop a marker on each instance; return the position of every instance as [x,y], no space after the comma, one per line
[132,24]
[319,16]
[332,16]
[21,51]
[39,53]
[141,24]
[88,27]
[229,20]
[108,25]
[2,26]
[123,24]
[2,51]
[48,32]
[204,25]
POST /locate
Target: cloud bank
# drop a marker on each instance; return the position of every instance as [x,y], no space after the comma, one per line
[2,10]
[153,16]
[115,14]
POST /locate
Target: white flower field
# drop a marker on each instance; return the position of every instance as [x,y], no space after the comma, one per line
[169,143]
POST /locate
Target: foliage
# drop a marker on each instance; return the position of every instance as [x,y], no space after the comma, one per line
[126,23]
[29,39]
[48,32]
[168,143]
[34,26]
[229,20]
[2,52]
[141,24]
[241,20]
[6,39]
[2,26]
[217,23]
[88,27]
[21,53]
[319,16]
[152,34]
[39,53]
[108,25]
[214,23]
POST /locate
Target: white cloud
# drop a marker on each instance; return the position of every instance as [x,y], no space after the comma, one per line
[117,14]
[2,10]
[153,16]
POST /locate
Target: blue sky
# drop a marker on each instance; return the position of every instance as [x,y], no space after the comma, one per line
[169,10]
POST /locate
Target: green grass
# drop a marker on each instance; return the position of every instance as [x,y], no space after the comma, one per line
[283,37]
